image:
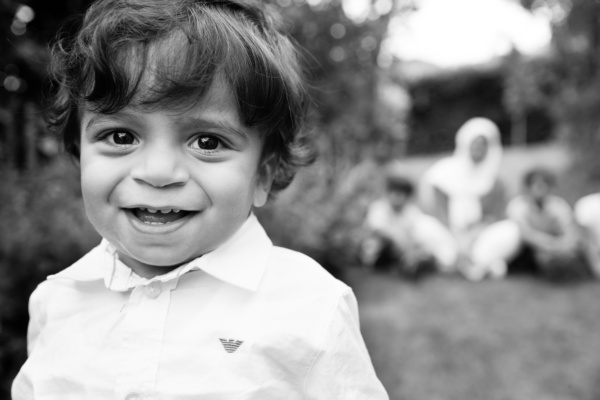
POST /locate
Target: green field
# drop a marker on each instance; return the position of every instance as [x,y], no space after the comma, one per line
[516,339]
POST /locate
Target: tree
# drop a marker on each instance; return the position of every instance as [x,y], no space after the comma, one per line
[342,54]
[570,78]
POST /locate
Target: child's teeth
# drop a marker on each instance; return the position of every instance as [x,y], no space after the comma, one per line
[152,210]
[176,211]
[165,211]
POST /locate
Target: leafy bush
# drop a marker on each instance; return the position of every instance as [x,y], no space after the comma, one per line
[321,214]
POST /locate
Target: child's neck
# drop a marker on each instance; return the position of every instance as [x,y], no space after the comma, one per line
[145,270]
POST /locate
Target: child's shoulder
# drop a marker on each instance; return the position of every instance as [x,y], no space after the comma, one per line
[301,271]
[57,289]
[89,267]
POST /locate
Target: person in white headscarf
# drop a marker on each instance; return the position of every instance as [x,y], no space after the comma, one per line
[464,191]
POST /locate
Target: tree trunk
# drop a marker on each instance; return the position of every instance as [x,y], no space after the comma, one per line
[518,134]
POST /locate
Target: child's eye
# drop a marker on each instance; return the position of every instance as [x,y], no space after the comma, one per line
[207,143]
[121,138]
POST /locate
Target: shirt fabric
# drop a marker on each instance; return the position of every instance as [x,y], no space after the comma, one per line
[554,218]
[246,321]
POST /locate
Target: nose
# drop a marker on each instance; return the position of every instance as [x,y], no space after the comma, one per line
[160,166]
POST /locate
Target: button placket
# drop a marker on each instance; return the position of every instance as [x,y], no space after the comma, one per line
[143,330]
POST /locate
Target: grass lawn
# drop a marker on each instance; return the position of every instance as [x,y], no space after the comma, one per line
[446,338]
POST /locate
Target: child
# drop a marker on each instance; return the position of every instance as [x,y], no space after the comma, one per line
[184,115]
[587,215]
[546,226]
[399,233]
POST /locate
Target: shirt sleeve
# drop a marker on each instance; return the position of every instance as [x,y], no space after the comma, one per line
[563,212]
[343,368]
[22,386]
[376,218]
[37,317]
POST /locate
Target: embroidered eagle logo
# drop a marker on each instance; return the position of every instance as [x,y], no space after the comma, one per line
[231,345]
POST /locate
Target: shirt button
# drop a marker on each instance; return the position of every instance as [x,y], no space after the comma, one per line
[133,396]
[153,290]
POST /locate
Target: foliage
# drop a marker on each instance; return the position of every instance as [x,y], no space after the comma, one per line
[568,81]
[26,27]
[324,219]
[341,58]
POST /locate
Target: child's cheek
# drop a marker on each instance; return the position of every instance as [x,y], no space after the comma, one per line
[100,181]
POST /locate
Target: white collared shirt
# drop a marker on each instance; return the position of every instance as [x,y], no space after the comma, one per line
[246,321]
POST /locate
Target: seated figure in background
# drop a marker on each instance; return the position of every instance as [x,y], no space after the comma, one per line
[587,215]
[465,192]
[547,227]
[399,234]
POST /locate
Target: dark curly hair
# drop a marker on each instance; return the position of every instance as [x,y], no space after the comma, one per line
[186,44]
[542,173]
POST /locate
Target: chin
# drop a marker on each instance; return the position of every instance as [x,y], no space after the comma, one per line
[165,259]
[165,262]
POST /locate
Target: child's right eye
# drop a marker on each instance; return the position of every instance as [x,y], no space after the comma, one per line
[120,138]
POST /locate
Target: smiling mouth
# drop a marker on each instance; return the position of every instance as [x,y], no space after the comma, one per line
[154,216]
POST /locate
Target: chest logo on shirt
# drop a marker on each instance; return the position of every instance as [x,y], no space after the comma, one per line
[231,345]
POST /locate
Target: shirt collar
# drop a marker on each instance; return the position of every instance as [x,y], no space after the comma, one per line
[240,261]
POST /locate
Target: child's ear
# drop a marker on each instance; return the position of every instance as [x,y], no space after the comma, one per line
[263,182]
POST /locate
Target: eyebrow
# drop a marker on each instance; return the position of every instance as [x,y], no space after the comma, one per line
[190,122]
[186,122]
[98,117]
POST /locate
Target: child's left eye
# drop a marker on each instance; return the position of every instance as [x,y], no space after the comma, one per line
[123,138]
[207,143]
[119,138]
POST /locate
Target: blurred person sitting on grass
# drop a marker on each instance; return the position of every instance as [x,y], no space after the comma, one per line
[401,236]
[464,191]
[546,227]
[184,116]
[587,215]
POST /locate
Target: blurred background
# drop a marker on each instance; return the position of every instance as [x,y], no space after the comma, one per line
[392,80]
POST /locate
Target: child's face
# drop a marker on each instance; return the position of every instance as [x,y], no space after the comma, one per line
[539,188]
[166,187]
[397,199]
[479,149]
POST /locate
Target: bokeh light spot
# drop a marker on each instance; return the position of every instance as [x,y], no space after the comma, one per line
[25,14]
[337,30]
[337,54]
[12,83]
